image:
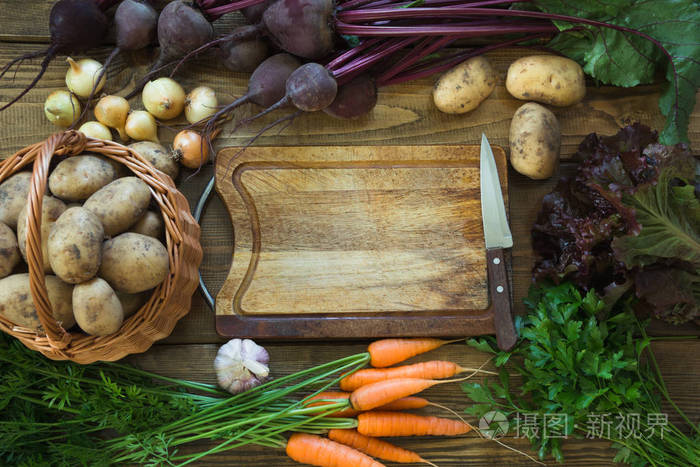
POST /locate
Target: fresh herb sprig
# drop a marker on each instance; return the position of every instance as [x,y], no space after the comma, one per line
[579,358]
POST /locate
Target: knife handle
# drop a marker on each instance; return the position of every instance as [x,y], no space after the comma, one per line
[499,291]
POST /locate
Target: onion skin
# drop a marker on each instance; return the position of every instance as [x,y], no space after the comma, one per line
[190,150]
[164,98]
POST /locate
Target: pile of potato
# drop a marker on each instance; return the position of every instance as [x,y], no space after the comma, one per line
[535,137]
[102,247]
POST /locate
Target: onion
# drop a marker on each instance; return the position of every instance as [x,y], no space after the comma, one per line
[163,98]
[112,111]
[190,150]
[62,108]
[96,130]
[82,75]
[200,103]
[141,126]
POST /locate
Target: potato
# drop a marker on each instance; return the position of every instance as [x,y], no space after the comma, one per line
[132,302]
[546,78]
[161,158]
[9,251]
[133,262]
[51,209]
[151,224]
[13,197]
[75,245]
[465,86]
[16,301]
[96,307]
[534,141]
[120,204]
[78,177]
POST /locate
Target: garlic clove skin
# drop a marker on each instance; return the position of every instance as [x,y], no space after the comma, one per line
[240,365]
[82,75]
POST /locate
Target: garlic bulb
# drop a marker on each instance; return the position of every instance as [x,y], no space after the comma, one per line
[82,76]
[241,364]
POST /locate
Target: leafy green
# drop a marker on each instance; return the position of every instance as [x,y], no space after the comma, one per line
[578,358]
[624,58]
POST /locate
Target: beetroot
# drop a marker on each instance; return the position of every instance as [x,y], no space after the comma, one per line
[254,13]
[136,22]
[245,55]
[301,27]
[181,29]
[355,98]
[75,26]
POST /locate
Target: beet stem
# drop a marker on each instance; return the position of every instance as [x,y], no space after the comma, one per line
[347,55]
[416,56]
[21,59]
[279,104]
[291,116]
[217,12]
[50,53]
[364,62]
[440,30]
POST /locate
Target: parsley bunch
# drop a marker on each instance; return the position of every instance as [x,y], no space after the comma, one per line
[580,360]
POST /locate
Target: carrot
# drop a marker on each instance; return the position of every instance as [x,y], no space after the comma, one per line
[387,352]
[314,450]
[405,403]
[336,396]
[388,424]
[375,395]
[434,369]
[375,447]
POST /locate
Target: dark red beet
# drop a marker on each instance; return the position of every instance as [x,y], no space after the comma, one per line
[243,56]
[75,26]
[136,22]
[254,13]
[311,87]
[355,98]
[301,27]
[181,29]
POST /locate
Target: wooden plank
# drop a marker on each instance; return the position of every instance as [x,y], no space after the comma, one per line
[404,114]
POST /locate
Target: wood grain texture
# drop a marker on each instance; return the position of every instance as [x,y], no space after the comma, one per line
[391,235]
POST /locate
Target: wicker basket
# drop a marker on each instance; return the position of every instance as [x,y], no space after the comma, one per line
[170,300]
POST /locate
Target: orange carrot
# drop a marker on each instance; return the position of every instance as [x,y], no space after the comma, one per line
[406,403]
[388,424]
[387,352]
[314,450]
[337,396]
[434,369]
[375,447]
[375,395]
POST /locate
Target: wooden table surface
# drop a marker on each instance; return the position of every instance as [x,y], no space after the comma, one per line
[404,115]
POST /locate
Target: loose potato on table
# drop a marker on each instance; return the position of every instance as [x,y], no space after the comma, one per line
[158,156]
[75,245]
[17,306]
[535,141]
[465,86]
[151,224]
[120,204]
[13,197]
[9,250]
[78,177]
[546,78]
[132,262]
[96,307]
[51,209]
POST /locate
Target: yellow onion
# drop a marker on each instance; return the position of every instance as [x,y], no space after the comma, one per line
[96,130]
[163,98]
[141,126]
[112,112]
[200,103]
[62,108]
[82,76]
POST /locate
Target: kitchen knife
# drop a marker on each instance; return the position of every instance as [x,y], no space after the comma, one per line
[497,237]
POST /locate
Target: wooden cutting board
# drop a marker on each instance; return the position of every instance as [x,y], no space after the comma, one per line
[348,241]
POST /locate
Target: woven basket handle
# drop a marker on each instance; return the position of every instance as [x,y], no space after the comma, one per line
[70,142]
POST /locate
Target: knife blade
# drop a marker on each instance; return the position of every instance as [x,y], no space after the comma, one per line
[493,210]
[497,236]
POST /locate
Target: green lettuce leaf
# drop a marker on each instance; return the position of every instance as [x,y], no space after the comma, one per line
[625,59]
